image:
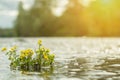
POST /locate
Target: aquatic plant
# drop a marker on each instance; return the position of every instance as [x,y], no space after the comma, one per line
[29,59]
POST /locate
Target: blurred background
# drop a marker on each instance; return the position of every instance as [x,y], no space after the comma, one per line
[33,18]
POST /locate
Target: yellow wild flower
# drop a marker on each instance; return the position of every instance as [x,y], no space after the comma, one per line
[22,51]
[39,42]
[3,49]
[22,55]
[27,52]
[47,50]
[42,48]
[12,49]
[45,56]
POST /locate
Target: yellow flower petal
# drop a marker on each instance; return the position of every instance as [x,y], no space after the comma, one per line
[45,56]
[39,42]
[4,49]
[12,49]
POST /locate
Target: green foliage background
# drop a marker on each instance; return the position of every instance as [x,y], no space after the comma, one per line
[39,20]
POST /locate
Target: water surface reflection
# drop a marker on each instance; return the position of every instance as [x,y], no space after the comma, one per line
[76,59]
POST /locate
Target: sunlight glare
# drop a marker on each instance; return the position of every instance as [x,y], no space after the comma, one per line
[85,2]
[104,14]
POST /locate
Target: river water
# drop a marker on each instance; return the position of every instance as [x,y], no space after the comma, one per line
[76,59]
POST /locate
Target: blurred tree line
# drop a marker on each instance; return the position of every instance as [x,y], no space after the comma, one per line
[39,20]
[7,32]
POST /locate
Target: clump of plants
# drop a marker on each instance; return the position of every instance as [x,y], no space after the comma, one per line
[29,59]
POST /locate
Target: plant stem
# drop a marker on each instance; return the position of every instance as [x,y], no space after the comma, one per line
[40,58]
